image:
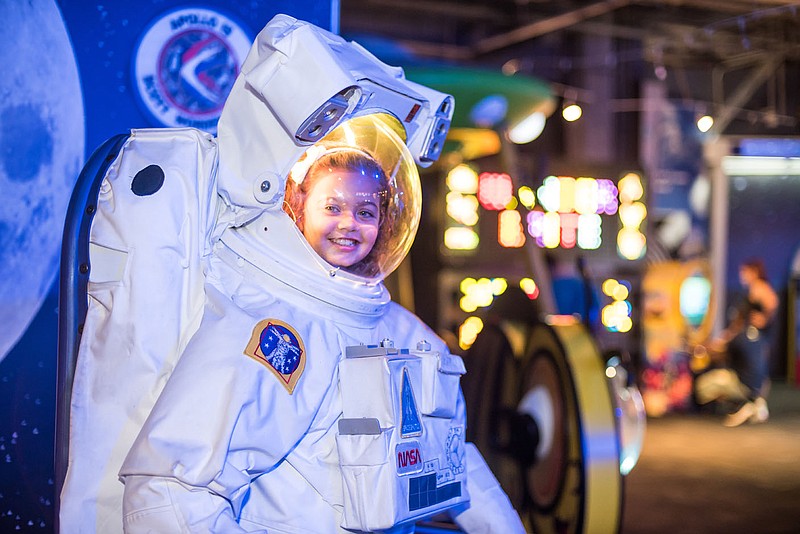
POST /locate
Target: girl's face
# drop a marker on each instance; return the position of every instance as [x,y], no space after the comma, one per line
[341,216]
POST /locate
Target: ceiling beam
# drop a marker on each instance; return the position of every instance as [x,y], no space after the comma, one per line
[743,93]
[545,26]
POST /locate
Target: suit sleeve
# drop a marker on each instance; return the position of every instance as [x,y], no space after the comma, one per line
[160,504]
[215,427]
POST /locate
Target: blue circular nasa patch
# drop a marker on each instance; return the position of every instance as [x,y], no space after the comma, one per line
[277,346]
[185,66]
[280,348]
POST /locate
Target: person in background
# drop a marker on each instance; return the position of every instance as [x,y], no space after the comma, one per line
[745,377]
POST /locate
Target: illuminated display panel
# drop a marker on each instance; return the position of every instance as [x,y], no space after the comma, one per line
[570,209]
[564,212]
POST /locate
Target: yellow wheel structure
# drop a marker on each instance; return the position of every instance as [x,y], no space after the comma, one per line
[574,485]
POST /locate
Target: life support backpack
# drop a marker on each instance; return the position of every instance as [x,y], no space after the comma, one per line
[139,227]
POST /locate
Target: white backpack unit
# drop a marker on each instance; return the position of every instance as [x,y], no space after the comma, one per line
[401,452]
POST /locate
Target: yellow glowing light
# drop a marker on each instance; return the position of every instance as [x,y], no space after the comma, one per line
[551,229]
[609,286]
[463,179]
[572,112]
[607,316]
[462,208]
[631,243]
[484,298]
[510,232]
[620,307]
[468,332]
[481,292]
[529,287]
[620,292]
[461,238]
[475,323]
[499,286]
[566,202]
[616,316]
[586,195]
[467,304]
[632,214]
[527,197]
[705,123]
[465,284]
[630,187]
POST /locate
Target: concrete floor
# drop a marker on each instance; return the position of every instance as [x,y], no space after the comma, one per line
[697,476]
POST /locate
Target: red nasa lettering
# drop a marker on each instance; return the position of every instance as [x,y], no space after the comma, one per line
[409,458]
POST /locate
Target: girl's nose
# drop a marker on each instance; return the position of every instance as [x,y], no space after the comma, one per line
[347,220]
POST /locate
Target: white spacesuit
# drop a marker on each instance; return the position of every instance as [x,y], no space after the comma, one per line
[292,407]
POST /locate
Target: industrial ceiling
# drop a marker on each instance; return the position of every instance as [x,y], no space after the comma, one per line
[738,59]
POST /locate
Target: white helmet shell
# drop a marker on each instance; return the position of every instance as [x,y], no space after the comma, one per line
[297,84]
[302,86]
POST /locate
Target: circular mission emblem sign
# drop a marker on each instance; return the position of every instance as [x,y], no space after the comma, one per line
[185,65]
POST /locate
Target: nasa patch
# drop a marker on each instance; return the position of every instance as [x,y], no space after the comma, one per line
[185,65]
[279,347]
[409,457]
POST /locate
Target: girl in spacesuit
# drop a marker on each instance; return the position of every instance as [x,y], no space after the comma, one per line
[273,280]
[245,435]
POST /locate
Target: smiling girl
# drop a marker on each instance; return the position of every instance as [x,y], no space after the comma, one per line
[340,203]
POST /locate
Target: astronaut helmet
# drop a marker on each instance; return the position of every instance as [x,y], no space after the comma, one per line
[355,195]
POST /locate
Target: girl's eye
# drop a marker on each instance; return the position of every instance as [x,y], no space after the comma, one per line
[367,214]
[332,208]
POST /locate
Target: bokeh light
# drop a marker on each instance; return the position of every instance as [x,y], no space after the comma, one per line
[461,238]
[528,128]
[527,197]
[495,190]
[463,179]
[705,123]
[529,287]
[571,112]
[616,316]
[510,233]
[468,331]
